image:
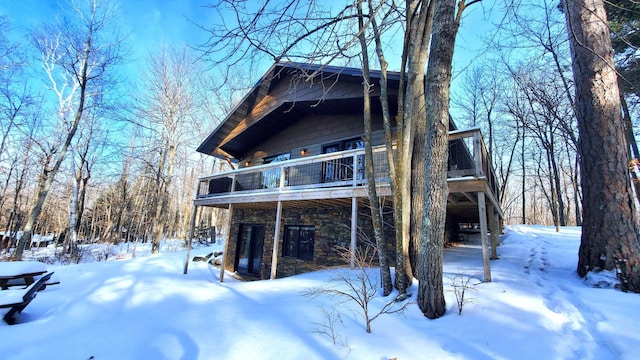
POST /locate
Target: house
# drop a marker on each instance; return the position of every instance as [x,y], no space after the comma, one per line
[298,191]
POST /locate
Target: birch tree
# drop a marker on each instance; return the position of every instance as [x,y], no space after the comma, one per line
[77,55]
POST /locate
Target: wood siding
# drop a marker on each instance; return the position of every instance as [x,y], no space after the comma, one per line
[311,133]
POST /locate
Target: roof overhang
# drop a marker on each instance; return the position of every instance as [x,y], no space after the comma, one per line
[311,90]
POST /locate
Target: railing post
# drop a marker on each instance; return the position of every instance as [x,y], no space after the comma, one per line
[233,183]
[199,188]
[355,169]
[283,177]
[477,152]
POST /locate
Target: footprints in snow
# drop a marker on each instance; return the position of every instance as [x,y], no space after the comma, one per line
[537,260]
[568,316]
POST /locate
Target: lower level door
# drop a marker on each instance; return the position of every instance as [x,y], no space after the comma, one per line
[250,243]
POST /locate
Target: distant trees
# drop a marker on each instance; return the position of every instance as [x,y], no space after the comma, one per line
[75,161]
[16,110]
[521,96]
[167,110]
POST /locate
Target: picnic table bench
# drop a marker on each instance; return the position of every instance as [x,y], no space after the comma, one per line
[18,299]
[20,273]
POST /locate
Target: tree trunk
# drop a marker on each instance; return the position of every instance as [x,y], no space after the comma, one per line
[524,178]
[402,281]
[374,205]
[556,182]
[73,235]
[576,191]
[162,180]
[419,28]
[44,185]
[445,26]
[609,231]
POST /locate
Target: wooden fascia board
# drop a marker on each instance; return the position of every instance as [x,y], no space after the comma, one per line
[292,195]
[466,185]
[266,105]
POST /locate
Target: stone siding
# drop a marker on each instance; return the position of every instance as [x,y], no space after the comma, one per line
[332,230]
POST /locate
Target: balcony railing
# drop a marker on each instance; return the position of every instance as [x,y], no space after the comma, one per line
[468,158]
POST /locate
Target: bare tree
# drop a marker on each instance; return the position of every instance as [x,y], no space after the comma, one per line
[610,236]
[76,58]
[166,109]
[87,150]
[535,30]
[376,213]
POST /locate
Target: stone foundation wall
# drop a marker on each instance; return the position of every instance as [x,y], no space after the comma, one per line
[332,230]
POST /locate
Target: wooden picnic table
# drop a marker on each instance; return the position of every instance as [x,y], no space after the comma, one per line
[22,271]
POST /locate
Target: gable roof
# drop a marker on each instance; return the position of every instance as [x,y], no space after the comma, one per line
[262,113]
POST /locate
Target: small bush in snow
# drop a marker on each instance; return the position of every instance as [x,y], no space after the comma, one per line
[359,285]
[460,286]
[328,327]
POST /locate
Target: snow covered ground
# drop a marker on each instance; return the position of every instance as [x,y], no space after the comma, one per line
[145,308]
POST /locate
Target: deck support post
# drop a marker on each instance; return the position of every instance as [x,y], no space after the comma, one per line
[226,243]
[228,238]
[493,229]
[276,231]
[495,238]
[191,228]
[276,237]
[482,213]
[354,231]
[500,226]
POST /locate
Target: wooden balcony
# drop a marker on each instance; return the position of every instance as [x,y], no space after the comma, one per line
[338,177]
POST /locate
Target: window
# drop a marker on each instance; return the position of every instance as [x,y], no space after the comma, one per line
[342,169]
[298,241]
[276,158]
[271,177]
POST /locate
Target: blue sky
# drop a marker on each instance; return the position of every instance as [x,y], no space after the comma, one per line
[148,22]
[152,22]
